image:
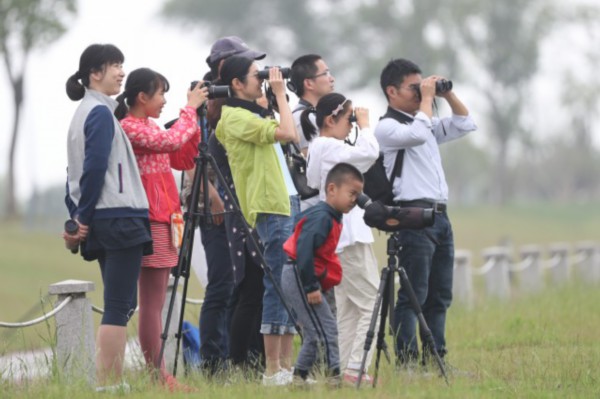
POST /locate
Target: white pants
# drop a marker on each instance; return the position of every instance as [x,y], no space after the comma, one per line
[355,299]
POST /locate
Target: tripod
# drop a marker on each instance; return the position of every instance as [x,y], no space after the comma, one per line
[191,219]
[384,303]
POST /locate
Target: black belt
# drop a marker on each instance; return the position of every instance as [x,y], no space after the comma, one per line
[421,203]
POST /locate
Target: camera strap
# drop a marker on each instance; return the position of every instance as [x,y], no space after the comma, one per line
[248,105]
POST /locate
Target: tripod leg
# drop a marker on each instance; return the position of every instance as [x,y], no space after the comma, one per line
[379,310]
[425,331]
[184,259]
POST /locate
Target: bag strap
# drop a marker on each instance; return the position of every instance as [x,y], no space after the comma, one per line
[405,120]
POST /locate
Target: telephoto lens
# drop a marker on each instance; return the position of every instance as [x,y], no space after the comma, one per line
[214,91]
[71,228]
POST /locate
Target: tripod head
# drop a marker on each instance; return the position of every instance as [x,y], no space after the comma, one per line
[394,218]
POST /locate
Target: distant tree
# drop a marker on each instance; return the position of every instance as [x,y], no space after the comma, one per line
[26,25]
[492,46]
[356,39]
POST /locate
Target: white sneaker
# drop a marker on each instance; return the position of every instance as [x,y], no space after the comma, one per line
[119,388]
[280,378]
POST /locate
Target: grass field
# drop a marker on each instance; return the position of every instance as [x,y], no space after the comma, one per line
[543,346]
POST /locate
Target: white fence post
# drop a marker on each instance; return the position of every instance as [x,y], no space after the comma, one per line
[75,346]
[560,267]
[587,268]
[530,275]
[497,282]
[462,288]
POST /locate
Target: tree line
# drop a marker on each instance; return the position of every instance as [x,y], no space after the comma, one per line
[493,48]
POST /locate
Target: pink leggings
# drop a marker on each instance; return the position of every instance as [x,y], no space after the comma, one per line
[152,292]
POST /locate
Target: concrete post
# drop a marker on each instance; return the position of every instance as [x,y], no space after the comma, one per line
[531,278]
[561,270]
[75,345]
[171,344]
[497,282]
[462,288]
[587,269]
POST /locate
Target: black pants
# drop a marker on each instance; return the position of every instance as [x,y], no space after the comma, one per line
[246,346]
[213,315]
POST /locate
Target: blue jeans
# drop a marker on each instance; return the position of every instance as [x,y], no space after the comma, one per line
[273,231]
[429,266]
[214,337]
[319,326]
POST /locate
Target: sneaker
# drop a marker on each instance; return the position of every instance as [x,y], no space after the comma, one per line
[289,374]
[280,378]
[351,378]
[171,383]
[310,381]
[121,388]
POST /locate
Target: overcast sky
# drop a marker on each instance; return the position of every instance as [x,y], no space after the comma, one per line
[144,39]
[180,55]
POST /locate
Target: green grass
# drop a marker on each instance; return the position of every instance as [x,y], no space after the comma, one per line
[29,263]
[542,346]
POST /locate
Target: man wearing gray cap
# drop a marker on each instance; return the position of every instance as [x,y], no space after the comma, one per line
[226,47]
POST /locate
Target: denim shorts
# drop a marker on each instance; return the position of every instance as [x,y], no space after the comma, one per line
[274,230]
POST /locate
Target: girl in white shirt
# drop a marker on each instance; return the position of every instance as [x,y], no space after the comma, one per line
[355,296]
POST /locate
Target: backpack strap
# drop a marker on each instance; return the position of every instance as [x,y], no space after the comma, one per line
[405,120]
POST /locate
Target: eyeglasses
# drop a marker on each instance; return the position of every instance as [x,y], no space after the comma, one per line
[326,73]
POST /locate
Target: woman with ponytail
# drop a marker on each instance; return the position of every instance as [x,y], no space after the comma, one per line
[355,295]
[157,151]
[106,198]
[265,191]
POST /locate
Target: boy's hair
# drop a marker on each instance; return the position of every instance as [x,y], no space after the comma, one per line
[341,172]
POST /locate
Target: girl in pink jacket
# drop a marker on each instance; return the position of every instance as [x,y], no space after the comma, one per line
[158,151]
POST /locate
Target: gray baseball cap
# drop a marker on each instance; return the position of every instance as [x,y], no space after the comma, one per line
[231,45]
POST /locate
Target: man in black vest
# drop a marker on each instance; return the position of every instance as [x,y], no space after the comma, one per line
[409,129]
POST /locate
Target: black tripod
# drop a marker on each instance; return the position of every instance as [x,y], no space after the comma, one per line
[384,303]
[191,220]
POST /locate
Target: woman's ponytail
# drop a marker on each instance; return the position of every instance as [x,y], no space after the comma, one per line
[75,89]
[308,128]
[122,109]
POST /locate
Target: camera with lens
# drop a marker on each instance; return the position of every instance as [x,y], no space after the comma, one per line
[441,86]
[214,91]
[264,74]
[394,218]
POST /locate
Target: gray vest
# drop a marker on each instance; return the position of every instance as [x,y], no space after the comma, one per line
[122,183]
